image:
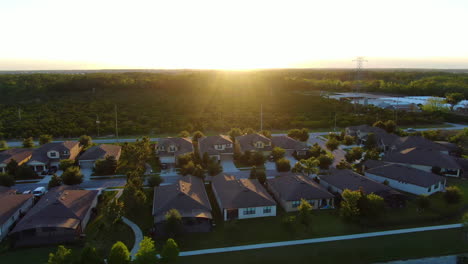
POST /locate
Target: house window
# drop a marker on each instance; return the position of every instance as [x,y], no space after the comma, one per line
[267,209]
[311,202]
[66,152]
[249,211]
[228,145]
[295,204]
[53,154]
[219,147]
[161,148]
[436,186]
[259,145]
[172,148]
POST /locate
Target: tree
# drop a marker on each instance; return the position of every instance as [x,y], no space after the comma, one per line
[44,139]
[198,171]
[422,202]
[253,173]
[197,135]
[316,150]
[188,168]
[147,252]
[155,180]
[304,210]
[184,134]
[114,211]
[6,180]
[325,161]
[294,133]
[372,154]
[133,196]
[309,166]
[3,144]
[72,175]
[278,153]
[85,141]
[453,99]
[66,163]
[54,181]
[257,159]
[214,168]
[261,176]
[248,131]
[184,159]
[348,140]
[170,251]
[106,166]
[173,224]
[283,165]
[28,142]
[380,124]
[235,132]
[343,164]
[297,168]
[371,205]
[332,144]
[266,133]
[354,154]
[435,105]
[453,195]
[25,172]
[12,167]
[371,141]
[119,254]
[349,207]
[390,126]
[89,255]
[304,134]
[62,256]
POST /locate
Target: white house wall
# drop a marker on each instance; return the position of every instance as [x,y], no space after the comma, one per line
[5,228]
[258,212]
[408,187]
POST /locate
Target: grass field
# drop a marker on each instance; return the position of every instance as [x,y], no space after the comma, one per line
[359,251]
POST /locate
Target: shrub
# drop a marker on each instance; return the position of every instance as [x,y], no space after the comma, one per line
[283,165]
[66,163]
[6,180]
[154,180]
[72,176]
[453,195]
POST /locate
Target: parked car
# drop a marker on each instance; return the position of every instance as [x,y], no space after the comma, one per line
[39,191]
[27,192]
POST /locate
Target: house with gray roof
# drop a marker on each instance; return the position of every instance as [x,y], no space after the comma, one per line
[419,142]
[20,155]
[218,147]
[290,189]
[49,155]
[90,156]
[407,179]
[242,198]
[425,159]
[188,196]
[168,149]
[291,145]
[254,142]
[12,207]
[60,216]
[336,181]
[384,139]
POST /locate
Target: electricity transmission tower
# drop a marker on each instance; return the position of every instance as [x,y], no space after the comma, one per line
[358,79]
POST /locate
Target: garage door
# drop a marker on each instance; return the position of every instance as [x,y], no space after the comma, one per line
[167,159]
[86,164]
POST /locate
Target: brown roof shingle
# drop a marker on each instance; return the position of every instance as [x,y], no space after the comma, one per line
[10,203]
[288,143]
[17,154]
[206,145]
[101,152]
[296,187]
[184,145]
[246,142]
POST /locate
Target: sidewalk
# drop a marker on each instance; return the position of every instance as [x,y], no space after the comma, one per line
[138,235]
[318,240]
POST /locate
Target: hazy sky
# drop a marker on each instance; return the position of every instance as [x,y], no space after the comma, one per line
[238,34]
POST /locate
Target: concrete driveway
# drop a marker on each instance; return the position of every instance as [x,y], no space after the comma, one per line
[228,165]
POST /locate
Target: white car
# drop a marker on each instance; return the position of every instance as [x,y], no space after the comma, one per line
[39,191]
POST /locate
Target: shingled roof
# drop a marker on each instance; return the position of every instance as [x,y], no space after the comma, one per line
[286,142]
[418,142]
[246,142]
[10,203]
[406,174]
[60,207]
[17,154]
[425,157]
[348,179]
[240,193]
[188,196]
[101,152]
[296,187]
[206,145]
[184,145]
[40,154]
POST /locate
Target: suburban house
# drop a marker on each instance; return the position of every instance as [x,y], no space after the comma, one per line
[425,159]
[291,145]
[384,139]
[188,196]
[407,179]
[19,155]
[403,143]
[254,142]
[49,155]
[60,216]
[216,147]
[290,189]
[339,180]
[242,198]
[91,155]
[168,149]
[12,207]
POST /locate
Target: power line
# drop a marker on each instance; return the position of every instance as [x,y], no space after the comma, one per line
[358,78]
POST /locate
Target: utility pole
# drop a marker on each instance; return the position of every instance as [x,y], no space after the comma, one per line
[359,64]
[97,123]
[261,117]
[116,128]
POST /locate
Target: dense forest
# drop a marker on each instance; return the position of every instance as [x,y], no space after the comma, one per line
[67,105]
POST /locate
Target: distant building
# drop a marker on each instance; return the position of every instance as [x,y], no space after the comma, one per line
[90,156]
[49,155]
[254,142]
[217,147]
[169,149]
[290,145]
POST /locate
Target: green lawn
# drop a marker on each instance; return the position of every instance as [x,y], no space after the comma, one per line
[365,250]
[143,216]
